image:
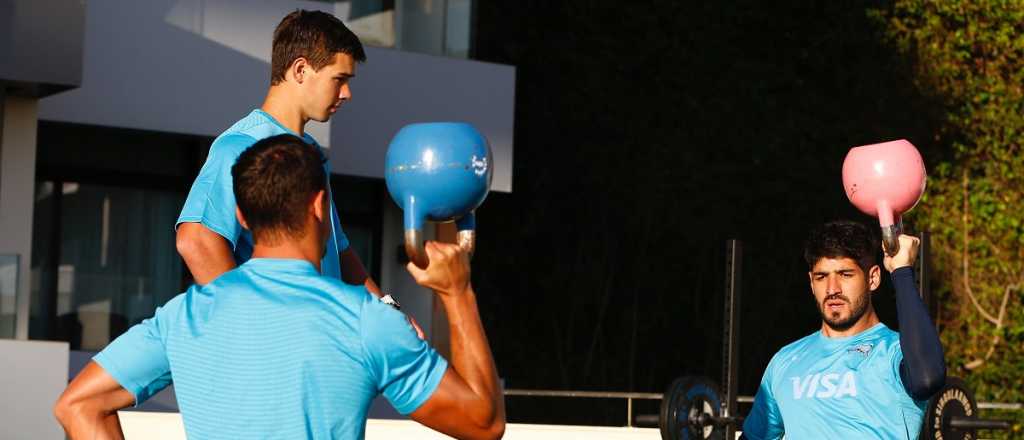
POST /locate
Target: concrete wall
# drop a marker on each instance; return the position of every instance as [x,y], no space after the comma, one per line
[196,66]
[396,88]
[17,192]
[34,373]
[40,45]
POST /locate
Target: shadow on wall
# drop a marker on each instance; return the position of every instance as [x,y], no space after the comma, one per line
[145,68]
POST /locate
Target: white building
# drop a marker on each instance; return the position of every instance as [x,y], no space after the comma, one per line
[108,108]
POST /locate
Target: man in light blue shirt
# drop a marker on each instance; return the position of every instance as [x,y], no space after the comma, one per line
[854,378]
[275,349]
[314,58]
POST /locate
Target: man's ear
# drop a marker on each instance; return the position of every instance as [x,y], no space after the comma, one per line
[241,218]
[319,208]
[874,277]
[298,69]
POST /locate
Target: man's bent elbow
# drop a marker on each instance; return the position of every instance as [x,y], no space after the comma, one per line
[497,429]
[62,412]
[65,410]
[493,426]
[492,431]
[928,383]
[933,383]
[186,242]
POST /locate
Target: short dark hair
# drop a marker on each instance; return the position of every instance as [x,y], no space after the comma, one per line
[842,239]
[313,35]
[274,180]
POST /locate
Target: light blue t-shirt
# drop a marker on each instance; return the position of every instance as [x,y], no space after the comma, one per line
[211,201]
[273,349]
[836,388]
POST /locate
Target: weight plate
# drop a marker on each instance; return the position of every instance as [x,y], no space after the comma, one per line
[688,409]
[955,400]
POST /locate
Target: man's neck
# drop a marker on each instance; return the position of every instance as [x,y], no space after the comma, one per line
[289,251]
[280,106]
[870,319]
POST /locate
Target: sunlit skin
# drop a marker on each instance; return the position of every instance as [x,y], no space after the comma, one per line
[318,92]
[842,292]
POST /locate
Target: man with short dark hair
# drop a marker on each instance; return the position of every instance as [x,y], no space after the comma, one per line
[275,349]
[854,378]
[314,58]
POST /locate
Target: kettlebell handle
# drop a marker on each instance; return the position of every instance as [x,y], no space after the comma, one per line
[891,237]
[466,239]
[892,226]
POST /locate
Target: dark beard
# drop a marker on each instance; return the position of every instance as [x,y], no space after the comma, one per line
[857,311]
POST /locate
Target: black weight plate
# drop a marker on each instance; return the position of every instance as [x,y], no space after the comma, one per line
[682,405]
[955,400]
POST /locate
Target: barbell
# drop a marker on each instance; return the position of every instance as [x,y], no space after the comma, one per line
[952,414]
[691,408]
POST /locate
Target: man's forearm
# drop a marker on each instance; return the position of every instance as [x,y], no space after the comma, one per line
[372,287]
[471,354]
[923,370]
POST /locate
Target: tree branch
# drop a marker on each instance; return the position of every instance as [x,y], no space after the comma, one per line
[999,326]
[967,276]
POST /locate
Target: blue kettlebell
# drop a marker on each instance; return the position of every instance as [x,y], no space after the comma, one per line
[438,171]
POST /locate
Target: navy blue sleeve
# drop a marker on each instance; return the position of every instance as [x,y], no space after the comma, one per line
[764,422]
[923,369]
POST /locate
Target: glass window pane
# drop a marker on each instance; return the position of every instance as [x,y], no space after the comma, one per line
[360,238]
[372,20]
[421,27]
[115,263]
[8,294]
[459,24]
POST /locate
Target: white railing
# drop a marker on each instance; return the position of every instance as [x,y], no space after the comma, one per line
[629,397]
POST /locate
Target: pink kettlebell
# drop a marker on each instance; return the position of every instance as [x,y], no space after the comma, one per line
[885,180]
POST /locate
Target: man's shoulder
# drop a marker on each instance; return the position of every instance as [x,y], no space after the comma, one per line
[883,337]
[255,125]
[382,323]
[314,294]
[243,277]
[787,355]
[173,306]
[358,294]
[231,144]
[797,345]
[884,332]
[259,125]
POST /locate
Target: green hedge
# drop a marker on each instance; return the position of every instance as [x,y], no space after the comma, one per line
[969,58]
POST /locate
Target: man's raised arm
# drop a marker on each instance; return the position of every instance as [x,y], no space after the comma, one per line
[469,402]
[923,369]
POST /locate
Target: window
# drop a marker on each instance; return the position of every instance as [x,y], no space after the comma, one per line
[103,260]
[103,254]
[435,27]
[8,294]
[358,201]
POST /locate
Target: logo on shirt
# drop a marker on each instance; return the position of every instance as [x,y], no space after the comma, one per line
[824,386]
[863,349]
